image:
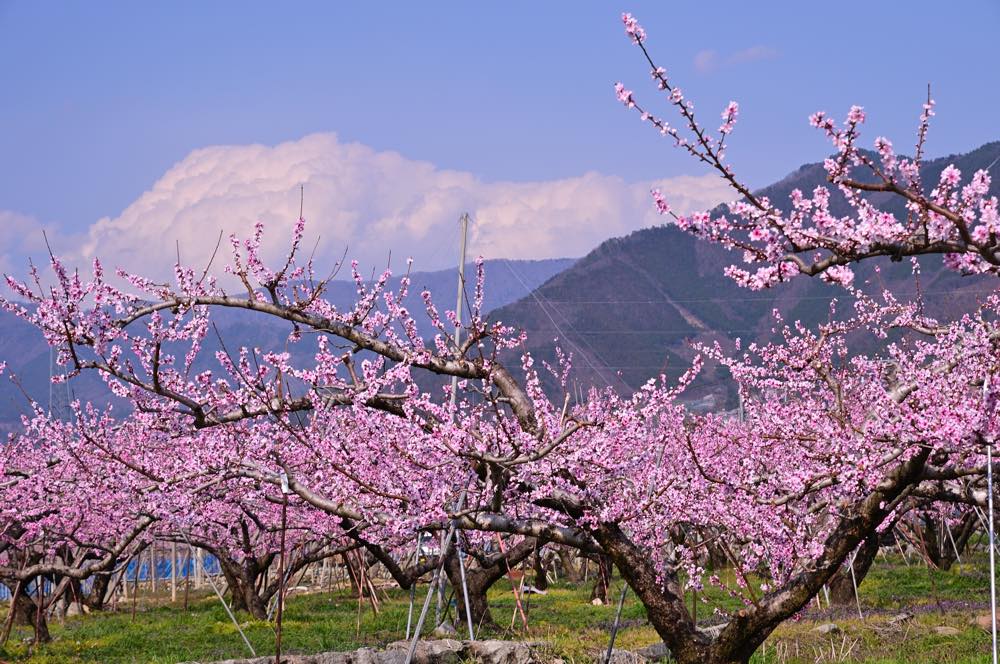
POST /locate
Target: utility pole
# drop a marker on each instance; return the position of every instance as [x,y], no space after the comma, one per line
[458,303]
[989,494]
[464,221]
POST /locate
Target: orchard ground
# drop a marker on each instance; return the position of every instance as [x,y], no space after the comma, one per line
[573,629]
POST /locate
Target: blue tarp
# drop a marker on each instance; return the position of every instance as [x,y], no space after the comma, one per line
[210,565]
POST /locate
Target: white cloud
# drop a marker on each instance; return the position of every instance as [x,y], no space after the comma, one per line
[753,54]
[23,236]
[372,203]
[708,60]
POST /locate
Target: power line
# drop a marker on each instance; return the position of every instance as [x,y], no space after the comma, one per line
[586,358]
[792,300]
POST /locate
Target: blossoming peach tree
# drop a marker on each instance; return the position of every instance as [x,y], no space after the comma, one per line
[950,217]
[832,446]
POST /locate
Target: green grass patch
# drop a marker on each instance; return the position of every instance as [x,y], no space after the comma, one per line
[574,629]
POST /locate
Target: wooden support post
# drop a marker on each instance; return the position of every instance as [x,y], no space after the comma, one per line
[173,571]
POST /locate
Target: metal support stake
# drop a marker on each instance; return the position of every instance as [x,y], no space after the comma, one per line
[458,303]
[281,569]
[439,586]
[454,399]
[854,582]
[614,627]
[413,588]
[224,605]
[427,600]
[173,572]
[465,587]
[952,539]
[437,575]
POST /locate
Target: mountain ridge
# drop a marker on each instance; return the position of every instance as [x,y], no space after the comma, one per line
[633,308]
[636,305]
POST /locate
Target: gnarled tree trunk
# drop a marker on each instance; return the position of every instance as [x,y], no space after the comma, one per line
[541,570]
[602,580]
[951,543]
[481,576]
[26,612]
[842,584]
[568,564]
[661,593]
[98,595]
[242,580]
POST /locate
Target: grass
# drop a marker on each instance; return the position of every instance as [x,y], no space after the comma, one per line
[573,629]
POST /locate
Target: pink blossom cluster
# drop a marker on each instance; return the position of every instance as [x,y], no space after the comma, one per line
[349,416]
[956,217]
[363,443]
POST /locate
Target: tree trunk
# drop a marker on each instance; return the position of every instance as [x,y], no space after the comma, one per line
[242,583]
[716,556]
[842,583]
[403,576]
[256,606]
[936,542]
[707,658]
[567,559]
[479,579]
[663,597]
[603,580]
[541,570]
[958,539]
[98,594]
[926,529]
[477,585]
[26,613]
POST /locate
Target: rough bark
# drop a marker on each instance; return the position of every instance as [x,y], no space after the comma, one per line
[602,580]
[404,576]
[568,558]
[966,529]
[662,595]
[664,601]
[242,582]
[480,577]
[246,571]
[842,583]
[26,613]
[941,550]
[98,595]
[540,565]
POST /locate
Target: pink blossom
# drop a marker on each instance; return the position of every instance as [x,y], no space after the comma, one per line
[729,117]
[624,95]
[633,29]
[661,204]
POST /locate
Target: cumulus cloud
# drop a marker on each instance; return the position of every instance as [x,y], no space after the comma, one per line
[708,60]
[372,203]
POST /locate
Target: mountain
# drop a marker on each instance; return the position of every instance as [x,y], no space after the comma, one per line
[628,311]
[28,359]
[632,308]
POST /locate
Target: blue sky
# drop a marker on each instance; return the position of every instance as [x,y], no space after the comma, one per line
[100,99]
